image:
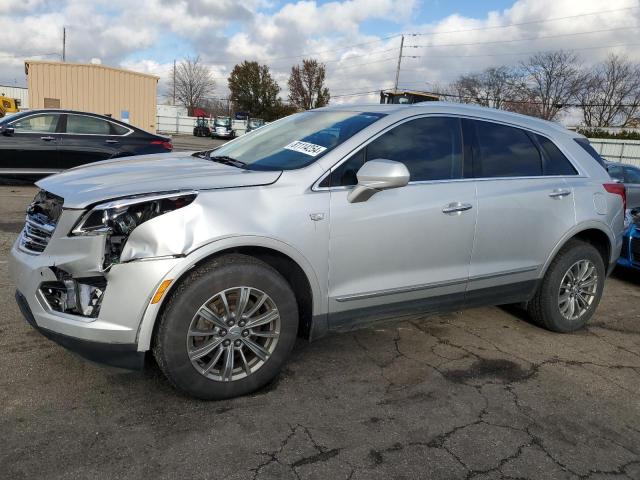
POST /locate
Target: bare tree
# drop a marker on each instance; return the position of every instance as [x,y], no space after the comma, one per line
[193,83]
[490,88]
[611,95]
[306,85]
[551,80]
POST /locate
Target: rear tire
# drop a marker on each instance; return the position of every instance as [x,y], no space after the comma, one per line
[244,351]
[570,291]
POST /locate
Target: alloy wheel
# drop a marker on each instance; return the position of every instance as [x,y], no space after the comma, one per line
[578,290]
[233,333]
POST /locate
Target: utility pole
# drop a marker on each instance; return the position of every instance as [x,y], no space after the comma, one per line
[174,81]
[64,44]
[399,61]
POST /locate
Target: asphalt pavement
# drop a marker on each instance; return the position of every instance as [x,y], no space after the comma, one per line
[476,394]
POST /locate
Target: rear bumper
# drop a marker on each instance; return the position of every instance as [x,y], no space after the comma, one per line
[114,354]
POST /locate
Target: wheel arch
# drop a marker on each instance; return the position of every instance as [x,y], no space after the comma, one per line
[593,233]
[289,262]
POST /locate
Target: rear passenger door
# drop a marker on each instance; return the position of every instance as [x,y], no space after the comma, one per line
[525,206]
[87,139]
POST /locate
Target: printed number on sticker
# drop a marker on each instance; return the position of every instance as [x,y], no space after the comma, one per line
[310,149]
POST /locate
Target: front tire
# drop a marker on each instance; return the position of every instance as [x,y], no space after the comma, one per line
[570,290]
[228,329]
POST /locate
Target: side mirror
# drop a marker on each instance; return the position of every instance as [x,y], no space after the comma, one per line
[377,175]
[7,131]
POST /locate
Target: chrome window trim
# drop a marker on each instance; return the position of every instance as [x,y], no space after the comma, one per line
[97,134]
[35,114]
[11,123]
[317,188]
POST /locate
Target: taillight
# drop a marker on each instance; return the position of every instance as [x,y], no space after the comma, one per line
[618,189]
[164,143]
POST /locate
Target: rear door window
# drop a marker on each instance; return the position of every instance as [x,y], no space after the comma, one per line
[503,151]
[84,125]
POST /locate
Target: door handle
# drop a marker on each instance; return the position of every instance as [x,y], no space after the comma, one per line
[111,141]
[48,139]
[456,207]
[559,193]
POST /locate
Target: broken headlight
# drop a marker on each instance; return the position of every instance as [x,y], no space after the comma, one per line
[118,218]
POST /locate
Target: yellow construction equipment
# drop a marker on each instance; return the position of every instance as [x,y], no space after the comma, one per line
[8,105]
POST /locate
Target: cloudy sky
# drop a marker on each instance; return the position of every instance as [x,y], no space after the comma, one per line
[357,39]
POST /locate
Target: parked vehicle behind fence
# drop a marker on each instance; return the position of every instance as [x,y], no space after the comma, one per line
[222,128]
[320,222]
[42,142]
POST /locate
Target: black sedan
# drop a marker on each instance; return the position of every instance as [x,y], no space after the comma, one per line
[41,142]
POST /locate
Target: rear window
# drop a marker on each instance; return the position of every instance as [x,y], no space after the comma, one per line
[586,146]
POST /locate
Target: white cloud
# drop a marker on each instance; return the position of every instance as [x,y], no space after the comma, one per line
[278,36]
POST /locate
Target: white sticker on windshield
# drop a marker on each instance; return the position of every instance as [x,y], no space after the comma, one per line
[310,149]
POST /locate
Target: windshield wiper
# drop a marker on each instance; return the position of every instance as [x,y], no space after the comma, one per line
[228,161]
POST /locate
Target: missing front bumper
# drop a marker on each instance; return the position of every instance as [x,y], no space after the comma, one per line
[120,355]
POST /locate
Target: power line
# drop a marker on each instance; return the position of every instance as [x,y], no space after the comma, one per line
[346,47]
[531,52]
[364,64]
[523,23]
[522,39]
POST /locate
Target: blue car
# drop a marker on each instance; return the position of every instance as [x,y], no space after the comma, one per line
[630,254]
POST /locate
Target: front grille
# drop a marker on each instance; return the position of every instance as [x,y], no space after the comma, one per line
[42,217]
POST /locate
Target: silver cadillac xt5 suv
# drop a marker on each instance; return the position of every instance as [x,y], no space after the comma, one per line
[323,221]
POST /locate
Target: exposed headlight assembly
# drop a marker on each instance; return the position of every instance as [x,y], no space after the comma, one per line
[118,218]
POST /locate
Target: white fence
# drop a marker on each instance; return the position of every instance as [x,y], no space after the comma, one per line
[623,151]
[184,125]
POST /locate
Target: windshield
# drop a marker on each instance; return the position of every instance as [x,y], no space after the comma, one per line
[255,123]
[295,141]
[223,122]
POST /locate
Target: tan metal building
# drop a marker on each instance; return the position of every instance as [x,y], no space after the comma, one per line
[122,94]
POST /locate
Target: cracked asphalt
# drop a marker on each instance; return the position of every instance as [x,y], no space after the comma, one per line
[479,394]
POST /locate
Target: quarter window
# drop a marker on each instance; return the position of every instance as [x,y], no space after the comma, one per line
[80,124]
[504,151]
[36,123]
[555,163]
[119,129]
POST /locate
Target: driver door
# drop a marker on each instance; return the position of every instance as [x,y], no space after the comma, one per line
[403,249]
[33,147]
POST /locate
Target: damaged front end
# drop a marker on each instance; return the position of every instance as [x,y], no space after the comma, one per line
[117,219]
[78,278]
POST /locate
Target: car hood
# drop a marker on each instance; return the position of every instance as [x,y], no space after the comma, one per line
[96,182]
